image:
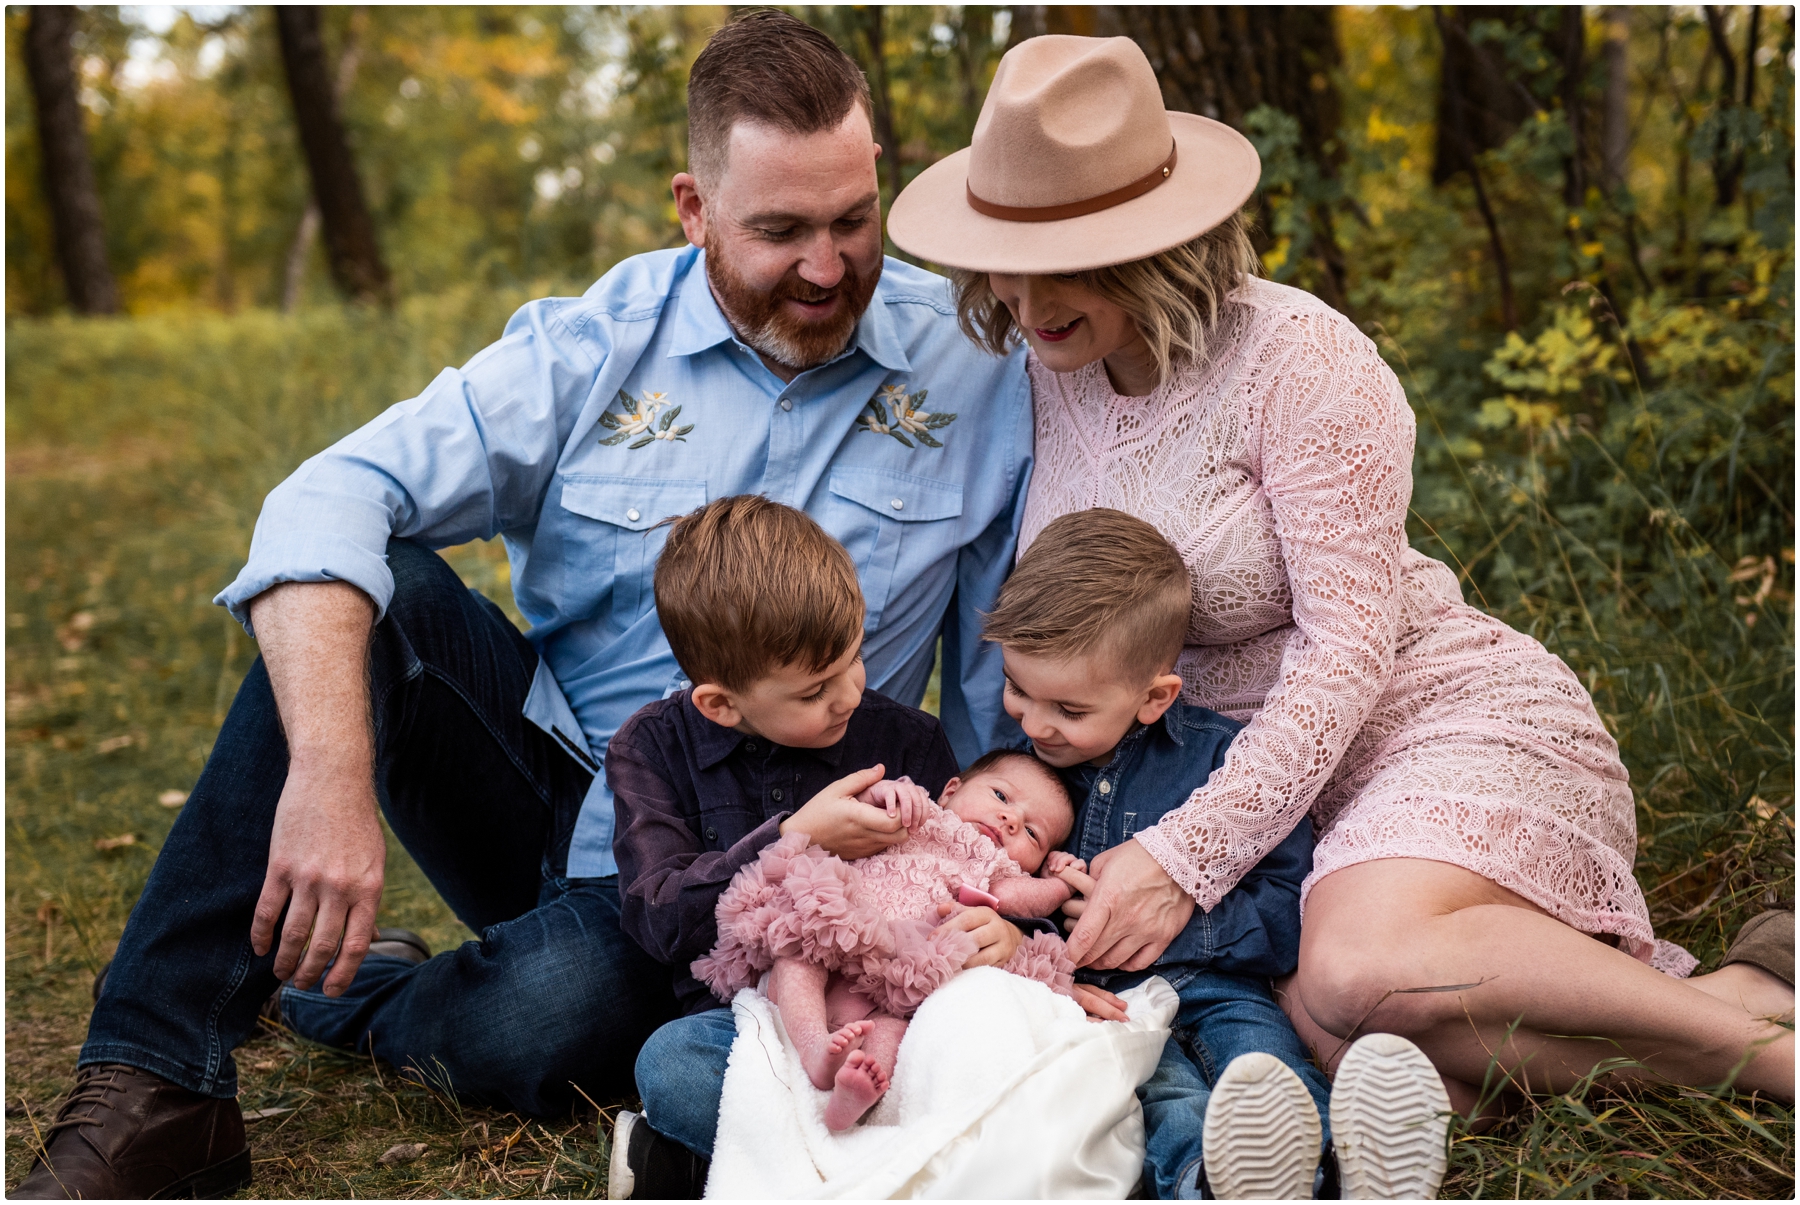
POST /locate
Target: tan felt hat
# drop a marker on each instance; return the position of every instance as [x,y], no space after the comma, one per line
[1075,164]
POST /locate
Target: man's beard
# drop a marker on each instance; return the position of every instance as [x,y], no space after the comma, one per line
[764,323]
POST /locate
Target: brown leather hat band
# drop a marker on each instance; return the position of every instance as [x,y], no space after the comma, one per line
[1075,209]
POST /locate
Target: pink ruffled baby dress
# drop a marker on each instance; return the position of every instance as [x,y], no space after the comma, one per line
[874,921]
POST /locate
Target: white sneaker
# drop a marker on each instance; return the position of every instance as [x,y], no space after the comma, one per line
[1389,1118]
[619,1178]
[1262,1133]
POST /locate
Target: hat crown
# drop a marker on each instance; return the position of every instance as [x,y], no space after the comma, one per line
[1067,119]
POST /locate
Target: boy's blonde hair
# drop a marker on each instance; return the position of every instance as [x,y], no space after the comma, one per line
[1097,582]
[1174,296]
[746,586]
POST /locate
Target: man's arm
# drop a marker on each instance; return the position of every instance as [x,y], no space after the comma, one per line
[327,856]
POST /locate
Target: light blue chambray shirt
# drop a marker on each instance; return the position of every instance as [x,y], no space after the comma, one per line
[594,418]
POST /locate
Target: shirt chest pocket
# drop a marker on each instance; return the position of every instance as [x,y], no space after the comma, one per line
[618,524]
[894,526]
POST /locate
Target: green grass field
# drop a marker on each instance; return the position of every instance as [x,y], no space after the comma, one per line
[138,452]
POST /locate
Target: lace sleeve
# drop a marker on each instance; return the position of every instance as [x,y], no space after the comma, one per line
[1331,438]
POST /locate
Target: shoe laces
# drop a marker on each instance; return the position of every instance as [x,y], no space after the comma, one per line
[91,1089]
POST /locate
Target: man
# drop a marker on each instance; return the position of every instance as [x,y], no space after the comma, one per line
[779,354]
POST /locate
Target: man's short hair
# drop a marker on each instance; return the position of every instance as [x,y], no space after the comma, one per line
[1097,582]
[746,586]
[769,68]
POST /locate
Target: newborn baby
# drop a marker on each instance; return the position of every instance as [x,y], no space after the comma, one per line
[852,948]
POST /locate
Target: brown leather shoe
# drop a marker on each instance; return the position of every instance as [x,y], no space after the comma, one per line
[125,1133]
[1766,941]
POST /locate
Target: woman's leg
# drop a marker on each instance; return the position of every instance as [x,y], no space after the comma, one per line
[797,988]
[1545,1001]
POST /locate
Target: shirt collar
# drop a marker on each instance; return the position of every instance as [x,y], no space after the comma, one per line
[701,325]
[713,743]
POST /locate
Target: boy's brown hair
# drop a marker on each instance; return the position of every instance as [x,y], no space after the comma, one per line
[745,586]
[772,69]
[1097,582]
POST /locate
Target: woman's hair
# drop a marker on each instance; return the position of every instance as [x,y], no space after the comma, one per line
[1173,296]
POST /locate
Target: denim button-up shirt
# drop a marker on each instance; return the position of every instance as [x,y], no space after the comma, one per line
[595,418]
[1255,929]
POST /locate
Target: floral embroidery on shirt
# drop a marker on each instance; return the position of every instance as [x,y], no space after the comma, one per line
[649,418]
[893,411]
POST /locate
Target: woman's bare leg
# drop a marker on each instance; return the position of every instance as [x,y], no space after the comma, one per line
[1752,989]
[1549,1003]
[797,988]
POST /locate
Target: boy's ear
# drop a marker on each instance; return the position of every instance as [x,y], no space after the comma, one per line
[715,703]
[1159,698]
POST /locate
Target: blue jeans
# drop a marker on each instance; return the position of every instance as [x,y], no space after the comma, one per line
[1221,1016]
[681,1071]
[552,995]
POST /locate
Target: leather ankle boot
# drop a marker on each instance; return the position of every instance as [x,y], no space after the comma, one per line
[125,1133]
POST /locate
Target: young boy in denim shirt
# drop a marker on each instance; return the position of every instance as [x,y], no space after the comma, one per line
[1090,624]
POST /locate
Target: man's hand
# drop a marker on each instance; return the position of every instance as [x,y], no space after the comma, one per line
[1100,1004]
[327,857]
[996,939]
[900,798]
[840,823]
[1130,912]
[1058,861]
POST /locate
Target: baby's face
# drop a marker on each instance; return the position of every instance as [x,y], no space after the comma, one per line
[1017,806]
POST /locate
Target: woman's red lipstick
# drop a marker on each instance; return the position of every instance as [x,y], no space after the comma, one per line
[1055,334]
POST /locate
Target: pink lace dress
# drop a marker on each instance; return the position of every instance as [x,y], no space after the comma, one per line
[874,921]
[1409,724]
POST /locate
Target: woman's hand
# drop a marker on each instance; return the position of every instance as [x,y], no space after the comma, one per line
[1130,911]
[840,823]
[997,939]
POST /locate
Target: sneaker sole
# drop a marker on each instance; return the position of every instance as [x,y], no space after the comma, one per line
[1262,1133]
[619,1180]
[1389,1117]
[211,1183]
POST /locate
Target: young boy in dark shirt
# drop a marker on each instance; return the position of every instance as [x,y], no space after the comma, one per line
[1090,624]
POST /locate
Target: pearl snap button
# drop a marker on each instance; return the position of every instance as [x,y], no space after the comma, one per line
[632,514]
[1105,787]
[899,505]
[787,403]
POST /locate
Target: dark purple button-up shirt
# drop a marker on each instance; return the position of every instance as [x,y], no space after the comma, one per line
[696,802]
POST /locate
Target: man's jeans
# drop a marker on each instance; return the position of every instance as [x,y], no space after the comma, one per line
[681,1072]
[1221,1017]
[552,995]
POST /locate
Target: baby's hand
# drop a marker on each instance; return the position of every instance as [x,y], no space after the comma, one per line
[1059,861]
[1100,1004]
[902,799]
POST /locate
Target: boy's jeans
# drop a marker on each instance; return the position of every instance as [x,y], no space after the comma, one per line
[1221,1017]
[552,995]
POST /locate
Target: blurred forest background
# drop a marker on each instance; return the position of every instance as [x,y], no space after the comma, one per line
[233,234]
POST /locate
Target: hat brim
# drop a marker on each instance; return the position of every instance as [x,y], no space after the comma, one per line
[1216,170]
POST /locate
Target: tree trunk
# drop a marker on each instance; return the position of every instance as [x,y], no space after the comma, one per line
[1615,128]
[294,279]
[350,244]
[1572,39]
[873,34]
[68,172]
[1457,142]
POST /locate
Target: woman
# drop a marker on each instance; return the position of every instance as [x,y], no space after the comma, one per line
[1475,826]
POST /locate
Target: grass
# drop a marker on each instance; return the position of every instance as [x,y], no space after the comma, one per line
[138,454]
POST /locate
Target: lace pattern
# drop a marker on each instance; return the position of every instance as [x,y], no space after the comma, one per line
[1407,723]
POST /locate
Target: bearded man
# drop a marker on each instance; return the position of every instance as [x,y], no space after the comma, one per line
[778,354]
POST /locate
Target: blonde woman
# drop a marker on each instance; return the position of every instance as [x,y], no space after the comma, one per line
[1475,825]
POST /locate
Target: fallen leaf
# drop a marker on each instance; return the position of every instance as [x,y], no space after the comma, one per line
[258,1114]
[118,842]
[401,1152]
[113,744]
[172,799]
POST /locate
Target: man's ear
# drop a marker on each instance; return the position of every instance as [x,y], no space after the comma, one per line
[1159,698]
[690,207]
[716,704]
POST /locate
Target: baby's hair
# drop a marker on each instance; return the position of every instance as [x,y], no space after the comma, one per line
[746,586]
[1097,582]
[993,757]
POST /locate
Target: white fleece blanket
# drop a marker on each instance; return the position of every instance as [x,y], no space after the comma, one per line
[1002,1089]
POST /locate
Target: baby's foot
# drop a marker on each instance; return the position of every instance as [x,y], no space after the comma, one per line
[822,1067]
[860,1083]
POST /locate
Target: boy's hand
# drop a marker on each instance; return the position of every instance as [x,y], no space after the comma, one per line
[997,939]
[840,823]
[1100,1004]
[1058,861]
[900,798]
